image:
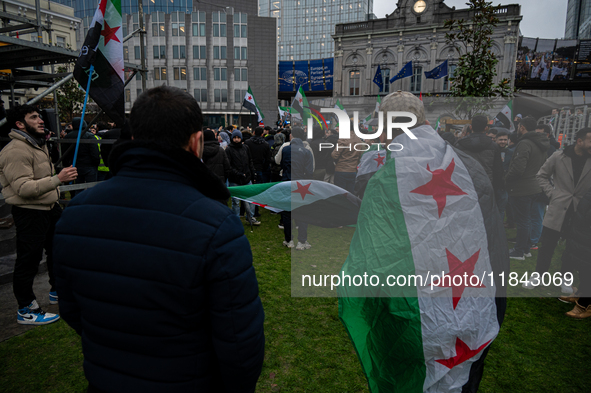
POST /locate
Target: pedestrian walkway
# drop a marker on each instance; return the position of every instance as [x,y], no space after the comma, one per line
[8,306]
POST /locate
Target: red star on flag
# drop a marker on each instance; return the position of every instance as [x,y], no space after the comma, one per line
[379,160]
[463,353]
[301,100]
[440,186]
[249,98]
[458,268]
[303,190]
[109,33]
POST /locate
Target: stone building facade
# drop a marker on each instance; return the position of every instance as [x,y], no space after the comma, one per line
[413,32]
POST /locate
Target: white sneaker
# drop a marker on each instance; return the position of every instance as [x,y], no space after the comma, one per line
[307,245]
[280,226]
[566,289]
[289,245]
[300,246]
[527,254]
[528,285]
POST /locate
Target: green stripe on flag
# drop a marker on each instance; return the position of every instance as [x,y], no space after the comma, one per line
[386,331]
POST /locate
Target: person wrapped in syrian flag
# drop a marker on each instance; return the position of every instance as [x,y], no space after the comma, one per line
[428,210]
[103,48]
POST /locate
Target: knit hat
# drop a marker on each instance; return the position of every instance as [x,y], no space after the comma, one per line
[279,138]
[403,101]
[208,135]
[76,124]
[225,137]
[236,133]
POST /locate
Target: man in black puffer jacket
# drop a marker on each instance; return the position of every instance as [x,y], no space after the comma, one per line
[261,156]
[241,172]
[214,157]
[154,272]
[480,147]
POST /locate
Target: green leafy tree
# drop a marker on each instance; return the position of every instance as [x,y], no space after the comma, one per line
[70,97]
[476,70]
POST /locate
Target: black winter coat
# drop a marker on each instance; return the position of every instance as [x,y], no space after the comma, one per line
[529,156]
[215,160]
[487,153]
[297,162]
[88,154]
[260,153]
[156,276]
[241,167]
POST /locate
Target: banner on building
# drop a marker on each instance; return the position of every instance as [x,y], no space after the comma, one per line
[328,73]
[301,74]
[316,75]
[286,76]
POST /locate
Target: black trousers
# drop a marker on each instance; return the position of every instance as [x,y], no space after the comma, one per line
[548,241]
[34,232]
[302,228]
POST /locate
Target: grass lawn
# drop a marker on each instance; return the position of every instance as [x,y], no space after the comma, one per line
[307,348]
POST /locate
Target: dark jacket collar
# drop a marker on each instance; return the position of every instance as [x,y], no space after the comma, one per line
[180,164]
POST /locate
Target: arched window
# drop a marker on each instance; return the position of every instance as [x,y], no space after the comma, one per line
[354,81]
[416,80]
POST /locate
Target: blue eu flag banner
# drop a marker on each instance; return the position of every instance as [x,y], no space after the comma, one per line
[438,72]
[405,72]
[378,80]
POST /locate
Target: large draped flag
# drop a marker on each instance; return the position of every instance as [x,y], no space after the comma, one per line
[104,49]
[251,104]
[315,202]
[427,210]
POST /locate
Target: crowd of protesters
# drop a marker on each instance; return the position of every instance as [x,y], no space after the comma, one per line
[542,188]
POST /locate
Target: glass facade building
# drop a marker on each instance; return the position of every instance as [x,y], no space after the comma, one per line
[578,19]
[304,27]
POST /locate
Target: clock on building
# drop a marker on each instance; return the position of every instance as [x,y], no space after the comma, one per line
[419,6]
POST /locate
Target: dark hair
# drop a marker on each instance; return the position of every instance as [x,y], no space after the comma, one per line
[230,128]
[258,131]
[101,125]
[18,113]
[502,133]
[529,123]
[493,131]
[513,137]
[268,128]
[298,132]
[479,123]
[167,115]
[272,132]
[546,127]
[582,133]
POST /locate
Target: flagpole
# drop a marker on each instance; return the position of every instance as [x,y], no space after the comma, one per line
[90,71]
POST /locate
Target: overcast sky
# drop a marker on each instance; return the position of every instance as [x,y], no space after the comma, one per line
[541,18]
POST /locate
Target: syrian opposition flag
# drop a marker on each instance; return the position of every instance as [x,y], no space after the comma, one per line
[103,47]
[315,202]
[300,105]
[378,103]
[340,106]
[427,211]
[250,103]
[506,116]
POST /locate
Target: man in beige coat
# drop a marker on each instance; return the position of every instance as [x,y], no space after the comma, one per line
[30,186]
[564,178]
[346,159]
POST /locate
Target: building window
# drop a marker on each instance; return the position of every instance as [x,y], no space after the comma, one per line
[203,95]
[199,52]
[243,52]
[180,73]
[137,53]
[240,26]
[224,95]
[219,23]
[60,41]
[220,74]
[175,51]
[198,19]
[127,95]
[385,81]
[160,52]
[236,53]
[354,83]
[223,52]
[416,80]
[178,52]
[446,82]
[160,73]
[178,28]
[183,52]
[241,74]
[216,52]
[200,73]
[217,96]
[237,97]
[158,30]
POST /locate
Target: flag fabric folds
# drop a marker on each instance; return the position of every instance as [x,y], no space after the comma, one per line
[438,72]
[300,105]
[378,79]
[103,48]
[315,202]
[419,207]
[250,103]
[405,72]
[505,116]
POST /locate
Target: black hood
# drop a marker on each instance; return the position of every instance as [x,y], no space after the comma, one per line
[541,140]
[476,142]
[210,149]
[257,140]
[170,163]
